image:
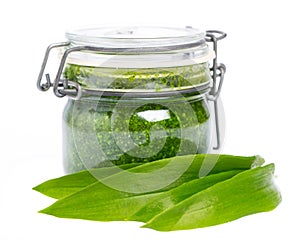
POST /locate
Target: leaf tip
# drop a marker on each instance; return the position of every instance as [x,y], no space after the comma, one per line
[259,161]
[36,188]
[47,211]
[149,225]
[43,211]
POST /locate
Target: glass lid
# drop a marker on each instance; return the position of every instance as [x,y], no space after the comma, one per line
[137,37]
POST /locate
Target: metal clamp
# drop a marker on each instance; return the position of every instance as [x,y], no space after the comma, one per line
[61,87]
[45,86]
[217,73]
[217,86]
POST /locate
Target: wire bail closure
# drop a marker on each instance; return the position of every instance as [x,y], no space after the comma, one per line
[65,87]
[217,73]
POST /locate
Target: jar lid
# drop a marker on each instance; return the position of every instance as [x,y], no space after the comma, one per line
[139,47]
[136,37]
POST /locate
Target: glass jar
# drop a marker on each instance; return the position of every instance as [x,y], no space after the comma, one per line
[136,94]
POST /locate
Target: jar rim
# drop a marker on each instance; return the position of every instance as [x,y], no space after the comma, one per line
[137,37]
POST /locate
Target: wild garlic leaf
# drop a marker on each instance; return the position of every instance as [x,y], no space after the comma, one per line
[170,198]
[249,192]
[66,185]
[106,204]
[99,201]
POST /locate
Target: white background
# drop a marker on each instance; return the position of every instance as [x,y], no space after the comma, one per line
[260,96]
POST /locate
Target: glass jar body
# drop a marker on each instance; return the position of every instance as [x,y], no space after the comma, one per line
[105,130]
[166,76]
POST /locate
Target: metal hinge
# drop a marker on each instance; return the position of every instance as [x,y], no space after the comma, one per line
[217,73]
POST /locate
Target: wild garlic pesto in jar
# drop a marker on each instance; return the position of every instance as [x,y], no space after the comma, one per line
[136,95]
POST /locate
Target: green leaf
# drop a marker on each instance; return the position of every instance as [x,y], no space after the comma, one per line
[66,185]
[170,198]
[106,204]
[205,164]
[99,201]
[249,192]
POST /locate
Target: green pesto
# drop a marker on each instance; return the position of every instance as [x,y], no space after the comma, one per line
[109,129]
[143,78]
